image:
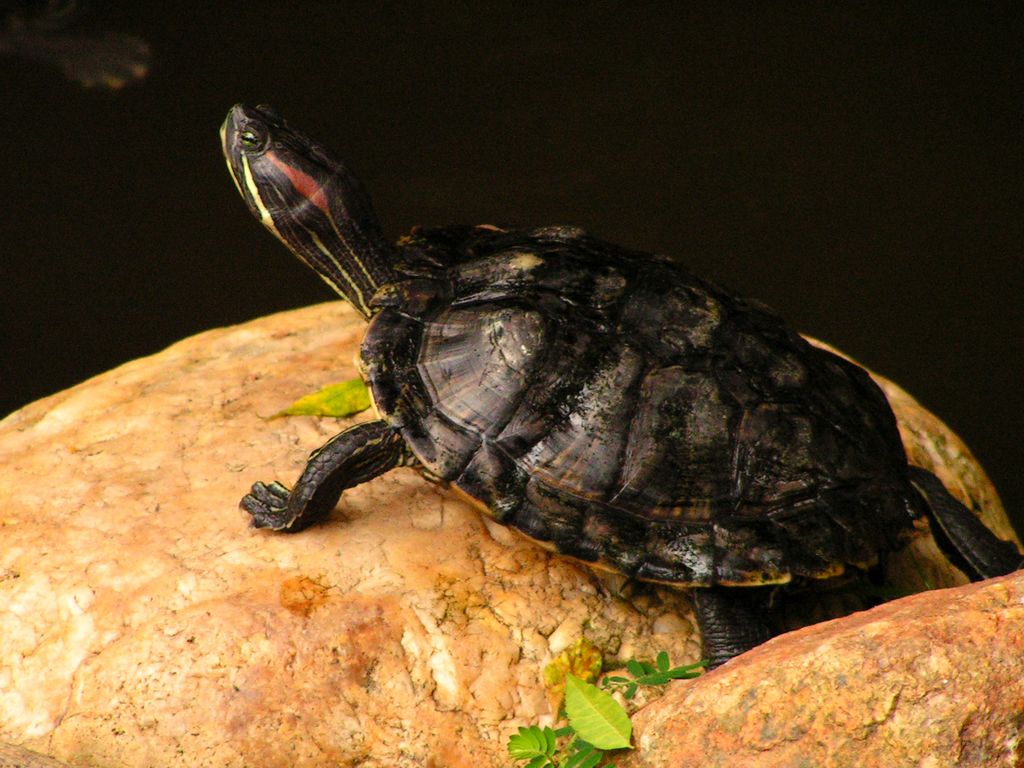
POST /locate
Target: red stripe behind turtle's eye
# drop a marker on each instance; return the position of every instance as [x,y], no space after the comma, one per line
[304,184]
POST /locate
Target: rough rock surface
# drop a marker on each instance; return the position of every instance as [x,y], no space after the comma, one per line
[142,622]
[19,757]
[928,681]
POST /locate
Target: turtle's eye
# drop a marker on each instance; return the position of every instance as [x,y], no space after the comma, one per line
[249,138]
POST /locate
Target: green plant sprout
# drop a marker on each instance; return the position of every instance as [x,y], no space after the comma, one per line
[597,723]
[539,748]
[644,673]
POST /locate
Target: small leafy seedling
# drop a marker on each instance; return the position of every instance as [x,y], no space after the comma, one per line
[644,673]
[597,722]
[539,748]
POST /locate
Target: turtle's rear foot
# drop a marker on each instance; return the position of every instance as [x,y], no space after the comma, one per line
[732,621]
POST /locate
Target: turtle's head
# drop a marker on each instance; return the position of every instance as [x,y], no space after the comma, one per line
[309,200]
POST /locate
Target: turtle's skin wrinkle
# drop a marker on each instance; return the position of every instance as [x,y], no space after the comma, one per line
[602,401]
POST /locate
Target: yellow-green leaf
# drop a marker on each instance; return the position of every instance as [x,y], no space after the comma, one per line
[582,658]
[341,399]
[597,718]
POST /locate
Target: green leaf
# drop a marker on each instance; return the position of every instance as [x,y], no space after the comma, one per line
[662,662]
[530,743]
[549,741]
[655,678]
[637,668]
[597,717]
[688,672]
[341,399]
[586,757]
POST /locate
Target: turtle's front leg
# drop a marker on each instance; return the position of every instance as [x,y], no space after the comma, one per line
[358,454]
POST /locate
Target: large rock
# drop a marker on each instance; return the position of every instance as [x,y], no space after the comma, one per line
[19,757]
[928,681]
[142,622]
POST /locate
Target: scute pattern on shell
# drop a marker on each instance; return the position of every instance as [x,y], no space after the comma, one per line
[632,415]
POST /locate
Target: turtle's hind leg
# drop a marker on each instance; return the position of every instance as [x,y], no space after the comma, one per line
[961,535]
[358,454]
[732,620]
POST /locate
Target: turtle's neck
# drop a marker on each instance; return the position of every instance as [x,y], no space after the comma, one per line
[310,201]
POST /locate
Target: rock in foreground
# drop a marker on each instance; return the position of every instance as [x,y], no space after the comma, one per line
[932,680]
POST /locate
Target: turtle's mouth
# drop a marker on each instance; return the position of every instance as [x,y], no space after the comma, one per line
[227,141]
[245,135]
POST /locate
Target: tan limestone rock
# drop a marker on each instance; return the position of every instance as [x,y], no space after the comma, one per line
[142,622]
[19,757]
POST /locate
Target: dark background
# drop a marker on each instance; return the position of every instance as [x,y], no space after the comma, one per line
[858,167]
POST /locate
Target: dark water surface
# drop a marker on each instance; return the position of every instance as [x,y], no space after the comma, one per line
[859,168]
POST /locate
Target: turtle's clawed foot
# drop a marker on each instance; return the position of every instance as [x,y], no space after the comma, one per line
[268,505]
[358,454]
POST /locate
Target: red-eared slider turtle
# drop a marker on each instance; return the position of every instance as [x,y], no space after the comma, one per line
[604,402]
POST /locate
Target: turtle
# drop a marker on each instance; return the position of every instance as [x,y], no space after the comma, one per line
[604,402]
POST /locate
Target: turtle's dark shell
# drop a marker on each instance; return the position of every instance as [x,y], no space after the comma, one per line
[630,414]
